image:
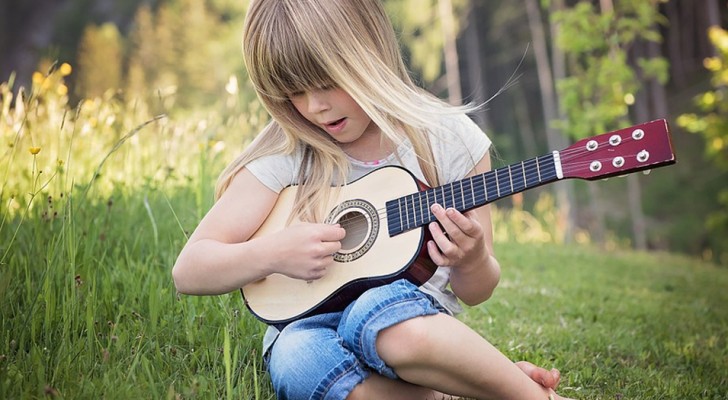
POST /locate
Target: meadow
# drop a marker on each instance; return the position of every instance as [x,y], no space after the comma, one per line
[97,199]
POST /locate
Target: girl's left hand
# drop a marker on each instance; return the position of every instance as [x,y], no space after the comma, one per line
[462,241]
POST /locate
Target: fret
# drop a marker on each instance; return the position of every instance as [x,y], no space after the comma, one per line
[401,219]
[531,172]
[538,170]
[422,210]
[457,197]
[446,195]
[547,167]
[413,209]
[405,219]
[468,197]
[518,183]
[497,183]
[430,203]
[523,172]
[491,189]
[479,193]
[510,177]
[504,187]
[472,190]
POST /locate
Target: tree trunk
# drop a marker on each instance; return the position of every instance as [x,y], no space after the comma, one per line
[675,54]
[558,59]
[452,69]
[642,113]
[474,65]
[712,17]
[548,101]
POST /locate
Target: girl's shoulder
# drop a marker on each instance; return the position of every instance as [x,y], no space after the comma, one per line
[276,171]
[458,143]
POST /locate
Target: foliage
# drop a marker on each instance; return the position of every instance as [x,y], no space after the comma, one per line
[601,84]
[421,33]
[712,124]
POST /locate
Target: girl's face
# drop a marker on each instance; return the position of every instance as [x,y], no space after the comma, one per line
[334,111]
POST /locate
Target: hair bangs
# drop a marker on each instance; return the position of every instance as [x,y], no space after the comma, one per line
[289,65]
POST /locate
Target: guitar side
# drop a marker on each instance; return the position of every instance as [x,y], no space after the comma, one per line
[369,259]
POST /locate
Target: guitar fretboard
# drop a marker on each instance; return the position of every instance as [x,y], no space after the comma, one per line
[413,211]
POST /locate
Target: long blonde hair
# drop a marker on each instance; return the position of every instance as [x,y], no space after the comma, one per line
[296,45]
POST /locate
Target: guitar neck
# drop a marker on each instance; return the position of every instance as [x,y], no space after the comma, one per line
[413,211]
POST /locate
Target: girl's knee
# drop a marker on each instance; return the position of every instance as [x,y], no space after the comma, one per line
[405,342]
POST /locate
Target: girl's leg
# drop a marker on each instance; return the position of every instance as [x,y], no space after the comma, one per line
[379,387]
[308,361]
[443,353]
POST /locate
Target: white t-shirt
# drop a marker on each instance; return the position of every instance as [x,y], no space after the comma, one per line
[457,144]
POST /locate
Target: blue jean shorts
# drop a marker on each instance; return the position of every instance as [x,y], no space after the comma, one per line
[325,356]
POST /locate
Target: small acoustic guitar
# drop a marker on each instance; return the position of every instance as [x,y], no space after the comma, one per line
[386,212]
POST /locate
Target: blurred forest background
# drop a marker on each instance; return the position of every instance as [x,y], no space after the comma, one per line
[554,71]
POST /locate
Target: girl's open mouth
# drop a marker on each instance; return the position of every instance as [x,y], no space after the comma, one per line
[336,126]
[336,123]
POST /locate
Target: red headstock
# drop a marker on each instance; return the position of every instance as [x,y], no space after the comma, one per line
[632,149]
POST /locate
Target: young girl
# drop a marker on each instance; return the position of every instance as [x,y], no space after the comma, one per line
[331,76]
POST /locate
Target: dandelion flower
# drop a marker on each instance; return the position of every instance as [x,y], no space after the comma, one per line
[34,150]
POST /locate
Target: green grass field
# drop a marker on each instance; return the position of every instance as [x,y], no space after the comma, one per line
[89,311]
[96,203]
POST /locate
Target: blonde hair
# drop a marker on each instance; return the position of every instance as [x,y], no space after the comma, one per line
[296,45]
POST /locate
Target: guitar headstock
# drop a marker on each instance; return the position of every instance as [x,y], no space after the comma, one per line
[637,148]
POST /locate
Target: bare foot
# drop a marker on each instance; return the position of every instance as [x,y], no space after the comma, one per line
[548,379]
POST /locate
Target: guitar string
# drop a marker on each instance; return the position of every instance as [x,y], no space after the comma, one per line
[482,194]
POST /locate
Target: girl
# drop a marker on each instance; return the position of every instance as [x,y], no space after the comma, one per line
[331,76]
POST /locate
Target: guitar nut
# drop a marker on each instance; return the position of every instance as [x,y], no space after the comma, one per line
[592,145]
[638,134]
[615,140]
[618,162]
[643,156]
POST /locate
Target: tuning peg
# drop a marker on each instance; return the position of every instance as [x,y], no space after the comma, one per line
[647,171]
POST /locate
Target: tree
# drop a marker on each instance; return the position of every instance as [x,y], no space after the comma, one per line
[99,60]
[712,124]
[564,191]
[602,84]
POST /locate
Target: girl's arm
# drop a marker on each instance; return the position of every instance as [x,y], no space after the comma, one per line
[466,244]
[220,257]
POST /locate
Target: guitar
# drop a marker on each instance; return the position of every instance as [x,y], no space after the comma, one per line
[385,214]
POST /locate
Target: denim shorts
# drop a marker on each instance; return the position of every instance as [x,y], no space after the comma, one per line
[325,356]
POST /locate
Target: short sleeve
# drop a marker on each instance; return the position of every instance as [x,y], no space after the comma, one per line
[458,146]
[275,171]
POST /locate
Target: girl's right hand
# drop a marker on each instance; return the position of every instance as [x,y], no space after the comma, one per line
[304,251]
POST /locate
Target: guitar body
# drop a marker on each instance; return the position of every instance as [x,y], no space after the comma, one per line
[369,256]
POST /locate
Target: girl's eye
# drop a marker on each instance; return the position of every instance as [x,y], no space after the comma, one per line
[295,94]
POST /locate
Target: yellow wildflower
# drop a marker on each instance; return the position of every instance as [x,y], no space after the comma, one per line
[37,78]
[65,69]
[34,150]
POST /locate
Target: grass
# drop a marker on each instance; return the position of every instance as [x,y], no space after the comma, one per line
[92,219]
[89,311]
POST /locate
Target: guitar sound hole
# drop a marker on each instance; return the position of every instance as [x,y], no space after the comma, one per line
[357,228]
[360,220]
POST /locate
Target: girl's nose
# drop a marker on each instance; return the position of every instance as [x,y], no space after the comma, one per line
[317,101]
